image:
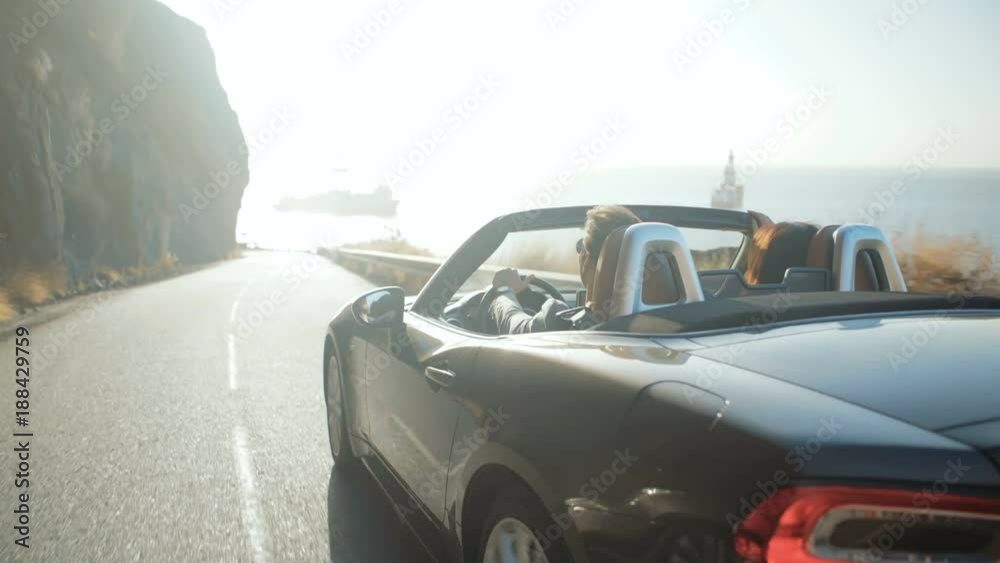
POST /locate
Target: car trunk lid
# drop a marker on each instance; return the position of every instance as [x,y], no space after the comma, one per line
[937,372]
[983,435]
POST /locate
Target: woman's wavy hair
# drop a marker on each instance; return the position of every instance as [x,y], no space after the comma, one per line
[776,247]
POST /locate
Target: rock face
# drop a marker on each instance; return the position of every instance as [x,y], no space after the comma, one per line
[118,144]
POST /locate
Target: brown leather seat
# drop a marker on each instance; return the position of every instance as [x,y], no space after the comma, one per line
[659,285]
[659,280]
[602,287]
[821,250]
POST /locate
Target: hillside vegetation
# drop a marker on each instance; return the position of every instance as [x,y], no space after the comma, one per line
[930,264]
[120,154]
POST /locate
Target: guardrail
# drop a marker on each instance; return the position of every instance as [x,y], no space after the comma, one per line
[412,272]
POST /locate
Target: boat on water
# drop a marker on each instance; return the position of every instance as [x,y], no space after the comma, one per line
[729,194]
[378,203]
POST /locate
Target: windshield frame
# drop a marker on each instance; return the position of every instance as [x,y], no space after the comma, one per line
[451,276]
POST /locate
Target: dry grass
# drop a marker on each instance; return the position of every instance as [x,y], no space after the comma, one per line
[109,277]
[25,288]
[930,263]
[393,243]
[393,246]
[935,264]
[558,260]
[56,278]
[28,287]
[720,258]
[231,254]
[545,259]
[7,310]
[167,264]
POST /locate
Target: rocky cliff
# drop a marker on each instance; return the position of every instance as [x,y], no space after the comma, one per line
[119,148]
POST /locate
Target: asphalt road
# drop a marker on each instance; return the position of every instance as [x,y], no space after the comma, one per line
[184,421]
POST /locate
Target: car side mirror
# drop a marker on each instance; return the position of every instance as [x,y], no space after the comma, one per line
[380,308]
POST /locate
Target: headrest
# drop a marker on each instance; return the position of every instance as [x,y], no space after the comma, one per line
[641,267]
[863,259]
[821,255]
[874,262]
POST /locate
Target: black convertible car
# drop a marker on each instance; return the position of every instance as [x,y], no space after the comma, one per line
[833,416]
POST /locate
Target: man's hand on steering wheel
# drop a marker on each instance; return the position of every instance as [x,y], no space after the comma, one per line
[510,278]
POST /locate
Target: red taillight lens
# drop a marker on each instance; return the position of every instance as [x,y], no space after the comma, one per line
[818,524]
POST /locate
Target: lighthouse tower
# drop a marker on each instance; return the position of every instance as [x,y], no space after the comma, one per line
[729,194]
[729,176]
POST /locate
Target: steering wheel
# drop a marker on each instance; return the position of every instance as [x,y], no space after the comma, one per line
[488,326]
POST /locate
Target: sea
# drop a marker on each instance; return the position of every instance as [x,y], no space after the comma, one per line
[937,202]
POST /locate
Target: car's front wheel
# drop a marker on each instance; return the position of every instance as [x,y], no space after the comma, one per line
[340,445]
[512,532]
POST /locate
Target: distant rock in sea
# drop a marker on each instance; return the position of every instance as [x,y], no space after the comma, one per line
[377,204]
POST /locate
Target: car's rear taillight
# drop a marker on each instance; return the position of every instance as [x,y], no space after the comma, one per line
[818,524]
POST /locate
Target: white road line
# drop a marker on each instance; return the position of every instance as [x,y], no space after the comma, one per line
[236,302]
[231,367]
[255,527]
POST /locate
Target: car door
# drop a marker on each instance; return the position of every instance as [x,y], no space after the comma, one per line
[411,411]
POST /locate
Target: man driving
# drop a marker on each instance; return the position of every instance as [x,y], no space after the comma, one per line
[507,310]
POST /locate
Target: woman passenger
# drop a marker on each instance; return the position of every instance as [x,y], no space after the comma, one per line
[775,248]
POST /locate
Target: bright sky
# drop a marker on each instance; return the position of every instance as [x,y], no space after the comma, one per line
[363,102]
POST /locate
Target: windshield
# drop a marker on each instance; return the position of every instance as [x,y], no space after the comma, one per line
[551,254]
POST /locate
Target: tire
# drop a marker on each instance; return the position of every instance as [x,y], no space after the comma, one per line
[336,419]
[514,526]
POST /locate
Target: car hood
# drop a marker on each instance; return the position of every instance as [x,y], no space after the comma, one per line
[940,373]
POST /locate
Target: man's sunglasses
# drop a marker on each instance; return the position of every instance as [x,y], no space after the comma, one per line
[579,246]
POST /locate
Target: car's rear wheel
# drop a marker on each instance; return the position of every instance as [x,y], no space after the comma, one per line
[340,445]
[512,531]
